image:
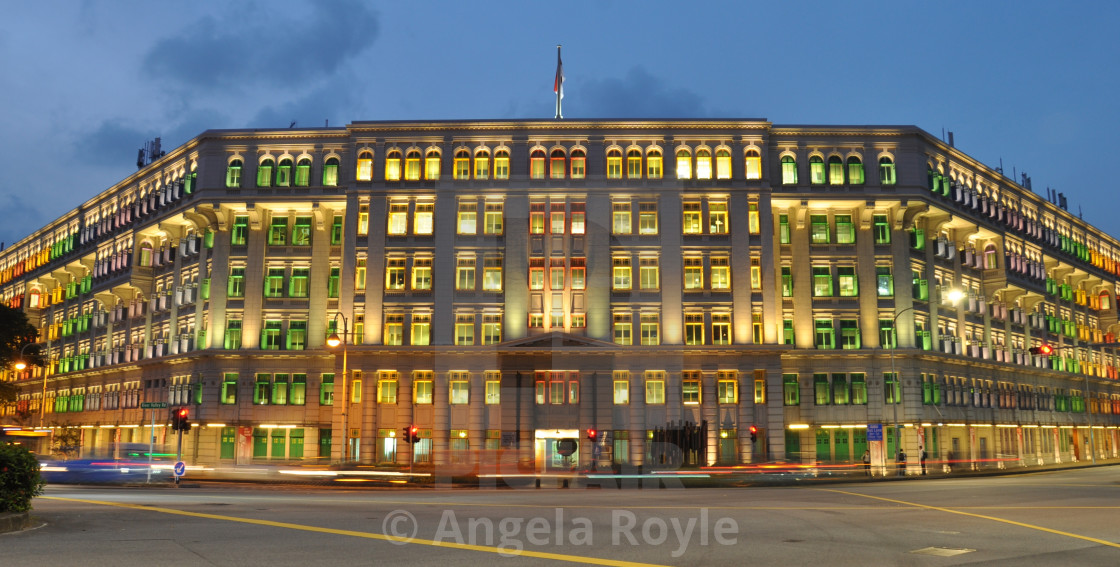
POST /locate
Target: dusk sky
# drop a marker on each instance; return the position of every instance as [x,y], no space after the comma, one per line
[87,83]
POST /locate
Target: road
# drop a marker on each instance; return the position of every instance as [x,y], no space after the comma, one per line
[1052,518]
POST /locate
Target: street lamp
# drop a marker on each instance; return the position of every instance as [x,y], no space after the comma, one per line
[334,341]
[21,364]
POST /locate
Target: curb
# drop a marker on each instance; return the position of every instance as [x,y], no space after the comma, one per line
[14,522]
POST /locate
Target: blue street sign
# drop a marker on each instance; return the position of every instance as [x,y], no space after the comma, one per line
[180,468]
[875,432]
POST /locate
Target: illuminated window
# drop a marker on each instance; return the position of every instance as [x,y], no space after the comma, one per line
[822,281]
[270,335]
[579,164]
[468,217]
[623,329]
[653,164]
[887,337]
[298,284]
[849,334]
[882,229]
[501,164]
[684,164]
[693,328]
[650,329]
[579,273]
[536,218]
[492,273]
[278,232]
[848,283]
[821,394]
[579,218]
[233,174]
[703,164]
[233,334]
[536,273]
[855,171]
[422,387]
[723,164]
[365,166]
[387,387]
[412,165]
[556,273]
[363,220]
[752,218]
[791,393]
[655,387]
[394,274]
[301,232]
[557,164]
[886,171]
[634,164]
[621,273]
[824,334]
[818,229]
[693,273]
[579,320]
[557,219]
[756,274]
[493,387]
[491,329]
[398,219]
[647,218]
[303,173]
[835,171]
[464,329]
[787,332]
[360,275]
[690,388]
[239,235]
[721,328]
[721,272]
[621,387]
[421,329]
[459,388]
[556,389]
[649,273]
[264,173]
[884,281]
[727,386]
[859,389]
[620,217]
[783,229]
[482,165]
[816,170]
[425,218]
[789,170]
[691,223]
[614,164]
[845,230]
[464,273]
[432,166]
[536,164]
[717,217]
[462,165]
[787,281]
[274,283]
[393,166]
[422,274]
[754,164]
[493,220]
[394,329]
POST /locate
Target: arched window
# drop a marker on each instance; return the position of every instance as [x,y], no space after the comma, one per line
[233,174]
[33,299]
[284,173]
[579,164]
[303,172]
[789,170]
[653,164]
[462,165]
[1106,300]
[886,171]
[264,173]
[412,165]
[816,170]
[536,164]
[684,164]
[393,166]
[990,257]
[330,172]
[146,254]
[855,171]
[432,166]
[614,164]
[754,164]
[723,164]
[557,164]
[703,164]
[482,165]
[501,164]
[365,166]
[634,164]
[835,171]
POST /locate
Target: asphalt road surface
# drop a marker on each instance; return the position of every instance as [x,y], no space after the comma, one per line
[1052,518]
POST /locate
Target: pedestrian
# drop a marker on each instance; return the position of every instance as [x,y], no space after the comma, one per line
[923,460]
[901,463]
[867,462]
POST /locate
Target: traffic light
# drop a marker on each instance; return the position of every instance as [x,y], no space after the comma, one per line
[592,435]
[180,420]
[1043,349]
[406,434]
[414,434]
[754,433]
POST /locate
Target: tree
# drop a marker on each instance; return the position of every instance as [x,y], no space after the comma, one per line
[15,334]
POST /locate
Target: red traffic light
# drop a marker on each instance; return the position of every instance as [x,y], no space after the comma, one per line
[1043,349]
[754,429]
[592,434]
[184,413]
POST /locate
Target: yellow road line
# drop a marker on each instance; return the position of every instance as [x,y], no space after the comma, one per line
[981,516]
[368,535]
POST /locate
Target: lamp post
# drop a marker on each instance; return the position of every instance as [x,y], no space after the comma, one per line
[21,364]
[334,341]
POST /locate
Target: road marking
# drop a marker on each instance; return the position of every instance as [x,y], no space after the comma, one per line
[981,516]
[367,535]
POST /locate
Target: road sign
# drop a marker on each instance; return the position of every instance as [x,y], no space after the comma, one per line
[875,432]
[153,405]
[180,468]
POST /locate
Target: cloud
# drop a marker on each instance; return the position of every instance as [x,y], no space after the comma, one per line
[254,45]
[329,102]
[110,143]
[638,94]
[18,226]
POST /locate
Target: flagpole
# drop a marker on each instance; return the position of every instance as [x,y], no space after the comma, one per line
[558,86]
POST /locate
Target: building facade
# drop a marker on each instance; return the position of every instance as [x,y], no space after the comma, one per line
[772,292]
